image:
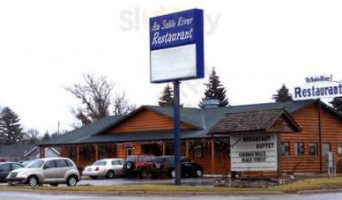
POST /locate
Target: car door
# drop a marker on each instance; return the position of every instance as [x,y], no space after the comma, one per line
[117,165]
[4,170]
[61,168]
[49,171]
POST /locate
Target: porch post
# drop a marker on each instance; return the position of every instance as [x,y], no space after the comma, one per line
[42,152]
[280,171]
[77,154]
[187,149]
[163,148]
[212,144]
[96,151]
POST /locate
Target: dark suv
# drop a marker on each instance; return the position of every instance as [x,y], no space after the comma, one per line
[138,166]
[165,166]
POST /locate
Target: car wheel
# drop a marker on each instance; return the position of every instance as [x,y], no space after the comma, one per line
[72,181]
[173,173]
[54,184]
[198,173]
[33,181]
[110,174]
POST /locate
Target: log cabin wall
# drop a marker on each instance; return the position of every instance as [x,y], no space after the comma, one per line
[332,134]
[122,149]
[308,119]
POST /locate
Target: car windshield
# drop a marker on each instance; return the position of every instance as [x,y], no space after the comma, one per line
[35,164]
[100,163]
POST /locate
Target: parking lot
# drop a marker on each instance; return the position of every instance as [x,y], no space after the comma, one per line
[125,181]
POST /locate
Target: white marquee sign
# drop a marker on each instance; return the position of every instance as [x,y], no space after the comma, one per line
[254,152]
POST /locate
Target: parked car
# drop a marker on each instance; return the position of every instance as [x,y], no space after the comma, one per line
[165,165]
[6,168]
[108,168]
[138,165]
[53,171]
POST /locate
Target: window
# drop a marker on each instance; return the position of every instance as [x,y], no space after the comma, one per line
[61,163]
[16,166]
[339,149]
[198,150]
[5,167]
[49,164]
[285,148]
[35,164]
[100,163]
[313,149]
[218,149]
[116,162]
[325,148]
[299,148]
[69,164]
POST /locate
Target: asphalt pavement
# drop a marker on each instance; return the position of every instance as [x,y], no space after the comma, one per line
[4,195]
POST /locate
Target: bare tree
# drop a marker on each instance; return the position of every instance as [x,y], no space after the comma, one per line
[121,105]
[97,99]
[95,95]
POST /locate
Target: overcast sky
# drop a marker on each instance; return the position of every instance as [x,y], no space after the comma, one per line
[255,46]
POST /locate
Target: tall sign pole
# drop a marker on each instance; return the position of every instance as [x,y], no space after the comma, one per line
[177,53]
[176,102]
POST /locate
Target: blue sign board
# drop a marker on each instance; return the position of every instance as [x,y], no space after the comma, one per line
[176,46]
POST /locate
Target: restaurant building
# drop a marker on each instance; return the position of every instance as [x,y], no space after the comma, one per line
[299,132]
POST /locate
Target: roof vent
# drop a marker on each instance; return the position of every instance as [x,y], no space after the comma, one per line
[210,103]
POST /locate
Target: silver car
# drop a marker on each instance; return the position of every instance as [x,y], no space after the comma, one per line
[53,171]
[108,168]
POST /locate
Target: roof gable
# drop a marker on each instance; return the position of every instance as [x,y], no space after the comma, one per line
[144,120]
[256,121]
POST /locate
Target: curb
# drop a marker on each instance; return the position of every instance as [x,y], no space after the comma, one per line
[165,193]
[147,193]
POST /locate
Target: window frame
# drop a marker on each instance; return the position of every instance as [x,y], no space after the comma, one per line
[198,150]
[326,153]
[316,149]
[288,149]
[299,149]
[339,148]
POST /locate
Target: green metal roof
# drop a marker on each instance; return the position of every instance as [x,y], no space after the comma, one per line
[202,119]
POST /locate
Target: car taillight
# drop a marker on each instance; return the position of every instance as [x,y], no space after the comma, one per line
[97,169]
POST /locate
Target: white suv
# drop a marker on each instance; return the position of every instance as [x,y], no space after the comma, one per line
[53,171]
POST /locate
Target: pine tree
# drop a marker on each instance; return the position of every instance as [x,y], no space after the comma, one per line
[282,95]
[46,136]
[10,128]
[167,97]
[337,104]
[215,90]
